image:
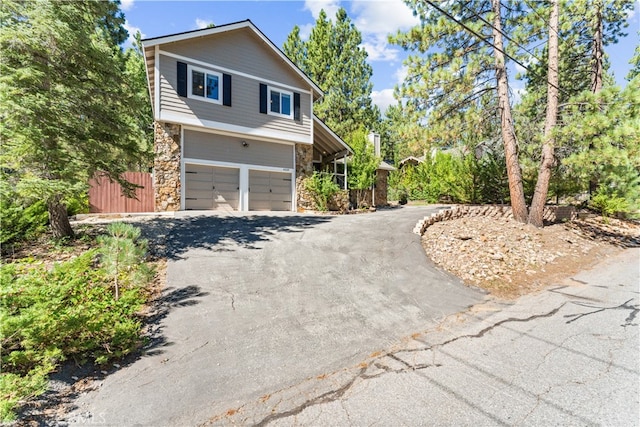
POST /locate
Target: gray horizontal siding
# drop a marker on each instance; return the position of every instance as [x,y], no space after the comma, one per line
[240,50]
[223,148]
[245,101]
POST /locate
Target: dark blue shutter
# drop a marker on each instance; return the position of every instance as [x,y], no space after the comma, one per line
[226,90]
[182,79]
[263,98]
[296,106]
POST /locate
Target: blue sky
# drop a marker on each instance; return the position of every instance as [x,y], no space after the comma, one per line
[374,18]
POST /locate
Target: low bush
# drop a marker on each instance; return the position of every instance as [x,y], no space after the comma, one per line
[70,311]
[322,188]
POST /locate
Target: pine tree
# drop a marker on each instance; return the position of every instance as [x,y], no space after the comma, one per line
[458,66]
[334,58]
[66,100]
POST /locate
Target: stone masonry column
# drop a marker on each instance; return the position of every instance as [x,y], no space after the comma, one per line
[166,167]
[304,169]
[382,176]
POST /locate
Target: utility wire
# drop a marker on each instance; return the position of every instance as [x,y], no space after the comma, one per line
[466,27]
[504,34]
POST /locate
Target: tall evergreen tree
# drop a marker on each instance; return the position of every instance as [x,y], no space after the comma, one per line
[66,100]
[458,65]
[334,58]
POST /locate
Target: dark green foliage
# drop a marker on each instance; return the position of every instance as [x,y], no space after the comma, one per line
[454,178]
[334,58]
[19,222]
[48,316]
[322,188]
[23,219]
[69,99]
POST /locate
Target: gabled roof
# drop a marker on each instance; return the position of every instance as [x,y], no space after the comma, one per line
[205,32]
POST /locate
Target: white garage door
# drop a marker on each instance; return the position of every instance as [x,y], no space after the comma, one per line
[269,191]
[211,188]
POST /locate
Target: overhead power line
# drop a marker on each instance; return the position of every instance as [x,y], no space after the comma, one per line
[487,41]
[466,27]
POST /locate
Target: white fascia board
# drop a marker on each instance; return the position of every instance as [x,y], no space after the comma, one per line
[319,122]
[230,27]
[156,83]
[235,130]
[193,161]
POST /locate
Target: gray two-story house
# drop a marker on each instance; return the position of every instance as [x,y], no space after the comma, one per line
[234,122]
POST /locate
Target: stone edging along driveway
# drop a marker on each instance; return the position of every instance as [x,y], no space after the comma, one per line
[258,303]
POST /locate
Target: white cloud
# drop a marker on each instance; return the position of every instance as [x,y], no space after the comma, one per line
[401,74]
[383,99]
[203,23]
[329,6]
[132,32]
[126,4]
[376,20]
[305,31]
[382,17]
[379,50]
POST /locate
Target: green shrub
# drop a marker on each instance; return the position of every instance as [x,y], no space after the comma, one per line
[608,204]
[69,311]
[21,222]
[121,255]
[322,188]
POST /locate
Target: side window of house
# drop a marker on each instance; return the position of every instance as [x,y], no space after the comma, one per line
[202,84]
[279,102]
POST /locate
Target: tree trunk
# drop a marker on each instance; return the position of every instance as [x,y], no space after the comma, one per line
[58,218]
[544,173]
[516,191]
[596,71]
[598,50]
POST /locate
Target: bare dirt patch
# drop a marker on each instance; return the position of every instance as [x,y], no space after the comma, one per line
[510,259]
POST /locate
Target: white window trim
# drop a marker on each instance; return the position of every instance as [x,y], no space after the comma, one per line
[281,92]
[190,69]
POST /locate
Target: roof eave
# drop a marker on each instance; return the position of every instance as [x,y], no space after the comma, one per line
[156,41]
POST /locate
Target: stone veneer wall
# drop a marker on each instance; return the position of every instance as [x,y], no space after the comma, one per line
[382,177]
[166,167]
[339,202]
[304,169]
[551,214]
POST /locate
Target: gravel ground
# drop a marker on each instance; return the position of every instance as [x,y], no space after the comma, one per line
[510,259]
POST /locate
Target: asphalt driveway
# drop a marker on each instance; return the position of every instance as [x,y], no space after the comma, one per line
[256,304]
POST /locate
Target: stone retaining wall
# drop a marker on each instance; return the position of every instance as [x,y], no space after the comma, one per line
[551,214]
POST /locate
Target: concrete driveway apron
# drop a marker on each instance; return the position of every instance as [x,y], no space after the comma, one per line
[255,304]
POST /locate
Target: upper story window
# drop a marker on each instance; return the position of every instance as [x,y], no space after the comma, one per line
[280,102]
[204,84]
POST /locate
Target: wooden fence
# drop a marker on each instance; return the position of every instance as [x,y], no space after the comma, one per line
[106,197]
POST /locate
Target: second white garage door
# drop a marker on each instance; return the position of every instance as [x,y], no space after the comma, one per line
[211,188]
[269,191]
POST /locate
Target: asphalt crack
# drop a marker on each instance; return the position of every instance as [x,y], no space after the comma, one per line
[634,309]
[327,397]
[338,393]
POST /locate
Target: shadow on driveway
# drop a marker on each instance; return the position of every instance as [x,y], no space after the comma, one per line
[172,237]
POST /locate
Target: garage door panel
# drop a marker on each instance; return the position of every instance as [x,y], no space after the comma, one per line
[269,191]
[211,188]
[199,185]
[198,204]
